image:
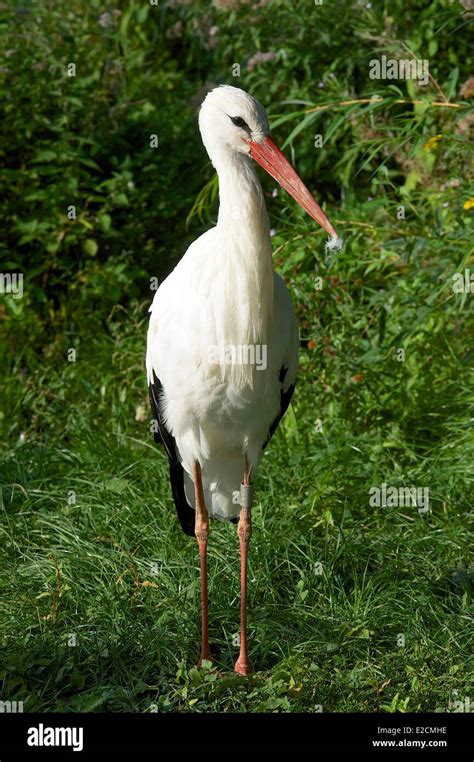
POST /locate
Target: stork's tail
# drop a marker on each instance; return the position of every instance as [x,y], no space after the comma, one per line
[221,481]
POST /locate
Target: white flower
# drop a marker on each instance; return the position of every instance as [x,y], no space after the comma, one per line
[334,243]
[104,20]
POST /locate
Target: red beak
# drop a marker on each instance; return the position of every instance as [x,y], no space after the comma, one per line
[274,162]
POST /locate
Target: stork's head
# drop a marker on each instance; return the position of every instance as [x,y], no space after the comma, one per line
[229,118]
[232,122]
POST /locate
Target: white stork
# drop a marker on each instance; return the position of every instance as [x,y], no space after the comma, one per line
[222,348]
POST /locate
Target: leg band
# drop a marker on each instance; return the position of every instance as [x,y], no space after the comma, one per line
[246,496]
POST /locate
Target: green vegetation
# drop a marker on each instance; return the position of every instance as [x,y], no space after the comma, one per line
[353,607]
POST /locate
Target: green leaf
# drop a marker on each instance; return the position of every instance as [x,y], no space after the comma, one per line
[194,676]
[142,14]
[89,163]
[44,156]
[117,484]
[105,222]
[432,47]
[90,247]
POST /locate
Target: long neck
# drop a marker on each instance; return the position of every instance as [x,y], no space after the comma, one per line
[242,202]
[245,249]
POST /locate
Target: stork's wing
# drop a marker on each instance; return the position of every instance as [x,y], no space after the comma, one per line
[185,513]
[287,377]
[285,399]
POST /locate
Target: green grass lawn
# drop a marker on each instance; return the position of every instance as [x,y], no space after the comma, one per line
[352,607]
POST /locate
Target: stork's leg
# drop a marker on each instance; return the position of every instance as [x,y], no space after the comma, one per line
[202,532]
[244,530]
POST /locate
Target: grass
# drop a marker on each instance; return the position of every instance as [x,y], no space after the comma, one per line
[352,607]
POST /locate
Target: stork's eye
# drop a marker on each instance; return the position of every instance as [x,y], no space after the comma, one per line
[239,122]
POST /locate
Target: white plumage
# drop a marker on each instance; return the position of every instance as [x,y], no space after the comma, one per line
[222,347]
[224,295]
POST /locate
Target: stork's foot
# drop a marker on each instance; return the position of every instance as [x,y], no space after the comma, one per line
[205,656]
[242,666]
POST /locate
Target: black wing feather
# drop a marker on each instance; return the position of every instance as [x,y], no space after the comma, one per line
[285,399]
[185,513]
